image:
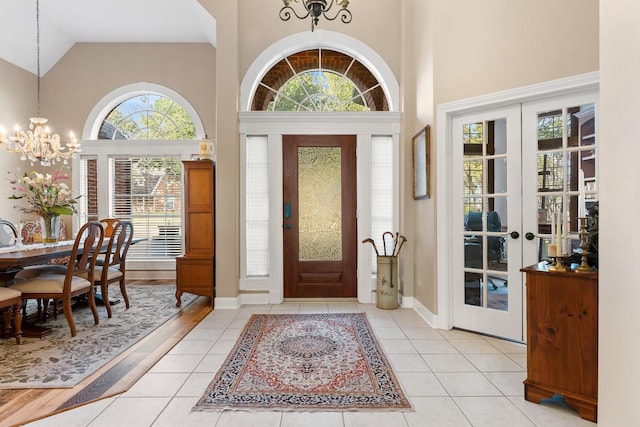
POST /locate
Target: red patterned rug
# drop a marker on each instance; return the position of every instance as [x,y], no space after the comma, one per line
[326,362]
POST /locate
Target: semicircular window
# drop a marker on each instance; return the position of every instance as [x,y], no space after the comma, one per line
[319,80]
[148,116]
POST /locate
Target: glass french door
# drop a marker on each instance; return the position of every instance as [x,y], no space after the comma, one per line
[525,175]
[487,213]
[561,147]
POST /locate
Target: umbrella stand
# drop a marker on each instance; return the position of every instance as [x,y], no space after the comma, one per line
[387,288]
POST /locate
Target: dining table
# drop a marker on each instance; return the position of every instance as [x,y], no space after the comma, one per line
[14,258]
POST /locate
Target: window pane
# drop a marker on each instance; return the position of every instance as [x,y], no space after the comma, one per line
[147,116]
[148,191]
[320,203]
[257,207]
[381,190]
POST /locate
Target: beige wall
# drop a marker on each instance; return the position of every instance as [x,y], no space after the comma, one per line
[228,148]
[89,71]
[619,252]
[17,104]
[493,45]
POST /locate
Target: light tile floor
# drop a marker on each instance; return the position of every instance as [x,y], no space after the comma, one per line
[453,378]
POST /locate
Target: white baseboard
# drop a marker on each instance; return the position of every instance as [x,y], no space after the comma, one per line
[254,298]
[226,303]
[432,320]
[151,274]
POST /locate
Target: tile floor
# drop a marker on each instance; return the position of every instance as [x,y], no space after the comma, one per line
[453,378]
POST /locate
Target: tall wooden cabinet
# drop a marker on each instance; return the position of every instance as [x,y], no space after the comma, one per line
[562,338]
[195,270]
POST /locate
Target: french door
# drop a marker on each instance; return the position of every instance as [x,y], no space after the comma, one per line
[487,212]
[320,228]
[524,175]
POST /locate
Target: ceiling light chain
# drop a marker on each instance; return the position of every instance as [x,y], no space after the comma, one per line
[37,144]
[315,8]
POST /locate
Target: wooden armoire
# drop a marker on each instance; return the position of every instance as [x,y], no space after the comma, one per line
[195,270]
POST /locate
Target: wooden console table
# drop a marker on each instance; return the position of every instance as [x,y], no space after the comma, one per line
[562,338]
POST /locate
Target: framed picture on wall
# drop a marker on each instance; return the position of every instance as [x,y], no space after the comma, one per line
[421,146]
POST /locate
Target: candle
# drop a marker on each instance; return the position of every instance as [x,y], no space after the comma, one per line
[553,250]
[581,197]
[553,226]
[559,230]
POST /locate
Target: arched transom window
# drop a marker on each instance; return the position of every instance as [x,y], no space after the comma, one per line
[319,80]
[148,116]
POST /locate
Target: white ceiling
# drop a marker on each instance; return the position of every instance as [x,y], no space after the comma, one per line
[66,22]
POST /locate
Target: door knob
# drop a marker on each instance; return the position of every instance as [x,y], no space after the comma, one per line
[515,234]
[529,236]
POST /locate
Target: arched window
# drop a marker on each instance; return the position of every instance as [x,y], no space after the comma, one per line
[319,80]
[134,169]
[147,116]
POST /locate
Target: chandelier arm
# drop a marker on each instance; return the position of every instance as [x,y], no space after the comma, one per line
[286,11]
[344,14]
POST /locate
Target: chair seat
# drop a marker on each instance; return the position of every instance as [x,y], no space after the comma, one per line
[48,283]
[112,273]
[34,271]
[7,294]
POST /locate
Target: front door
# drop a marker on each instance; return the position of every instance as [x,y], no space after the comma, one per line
[319,216]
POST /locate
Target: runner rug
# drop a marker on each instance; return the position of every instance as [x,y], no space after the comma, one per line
[59,360]
[306,362]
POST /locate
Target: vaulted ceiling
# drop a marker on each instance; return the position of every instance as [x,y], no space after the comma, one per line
[66,22]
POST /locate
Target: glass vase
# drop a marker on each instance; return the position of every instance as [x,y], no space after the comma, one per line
[50,226]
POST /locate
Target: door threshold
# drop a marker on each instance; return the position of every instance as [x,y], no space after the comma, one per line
[319,300]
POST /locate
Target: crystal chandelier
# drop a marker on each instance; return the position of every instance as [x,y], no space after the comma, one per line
[37,144]
[315,8]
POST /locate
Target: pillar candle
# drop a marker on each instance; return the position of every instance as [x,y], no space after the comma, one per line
[553,226]
[559,231]
[581,197]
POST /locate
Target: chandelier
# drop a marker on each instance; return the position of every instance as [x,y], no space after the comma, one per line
[38,144]
[315,8]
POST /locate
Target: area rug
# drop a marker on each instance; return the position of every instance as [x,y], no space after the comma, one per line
[60,361]
[324,362]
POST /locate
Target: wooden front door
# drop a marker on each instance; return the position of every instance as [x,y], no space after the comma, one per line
[319,216]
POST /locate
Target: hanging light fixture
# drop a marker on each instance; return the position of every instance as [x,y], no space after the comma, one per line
[315,8]
[38,144]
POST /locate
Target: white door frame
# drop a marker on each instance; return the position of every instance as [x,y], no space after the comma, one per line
[445,170]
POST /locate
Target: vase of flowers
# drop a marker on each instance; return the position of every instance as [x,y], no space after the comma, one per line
[48,196]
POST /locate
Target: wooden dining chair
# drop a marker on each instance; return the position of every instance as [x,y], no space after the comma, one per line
[10,302]
[109,225]
[77,280]
[113,268]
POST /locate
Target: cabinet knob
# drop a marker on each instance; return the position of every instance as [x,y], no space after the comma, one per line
[515,234]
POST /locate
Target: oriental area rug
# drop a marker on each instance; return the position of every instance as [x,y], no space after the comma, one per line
[306,362]
[59,360]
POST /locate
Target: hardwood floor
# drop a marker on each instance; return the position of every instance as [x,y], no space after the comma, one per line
[24,405]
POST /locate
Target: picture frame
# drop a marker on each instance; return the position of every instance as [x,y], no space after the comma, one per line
[421,145]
